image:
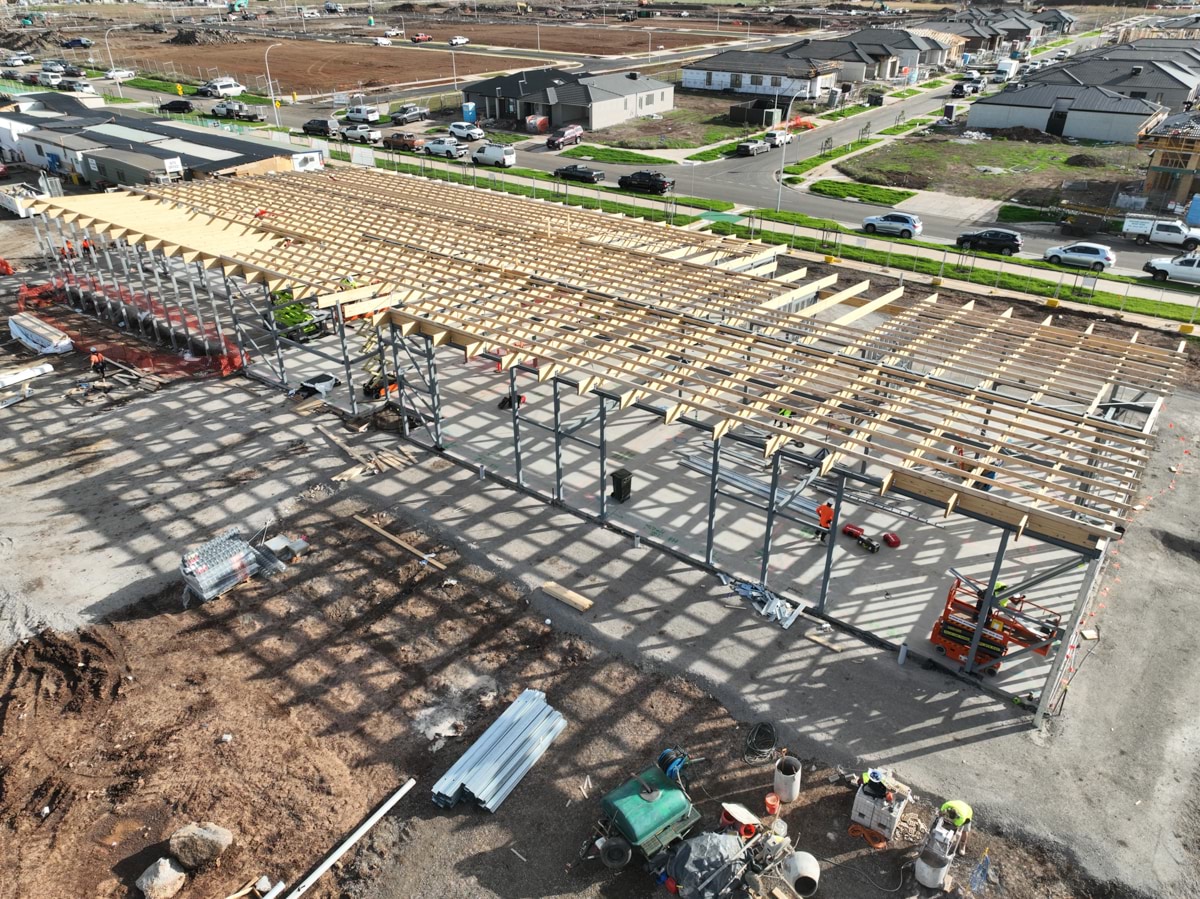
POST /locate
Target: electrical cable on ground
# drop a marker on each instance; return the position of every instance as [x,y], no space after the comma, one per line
[857,873]
[760,744]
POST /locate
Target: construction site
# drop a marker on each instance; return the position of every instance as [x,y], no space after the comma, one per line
[395,478]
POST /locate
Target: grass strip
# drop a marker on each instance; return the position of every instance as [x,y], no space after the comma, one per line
[868,193]
[931,85]
[614,155]
[189,90]
[907,92]
[806,165]
[1026,214]
[845,112]
[904,126]
[982,277]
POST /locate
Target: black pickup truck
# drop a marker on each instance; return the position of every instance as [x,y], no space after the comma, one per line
[647,182]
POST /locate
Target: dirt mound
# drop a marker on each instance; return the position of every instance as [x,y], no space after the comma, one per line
[205,36]
[29,40]
[1084,160]
[55,674]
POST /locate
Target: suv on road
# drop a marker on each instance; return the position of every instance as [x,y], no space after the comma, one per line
[445,146]
[894,223]
[466,131]
[777,138]
[646,182]
[404,140]
[752,147]
[406,115]
[177,106]
[221,87]
[321,127]
[991,240]
[568,134]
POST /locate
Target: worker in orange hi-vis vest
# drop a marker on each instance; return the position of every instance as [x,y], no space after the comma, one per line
[98,362]
[825,518]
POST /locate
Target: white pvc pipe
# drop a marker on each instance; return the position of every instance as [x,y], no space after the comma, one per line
[276,890]
[341,850]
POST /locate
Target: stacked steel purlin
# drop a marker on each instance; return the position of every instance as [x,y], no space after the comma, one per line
[222,563]
[496,762]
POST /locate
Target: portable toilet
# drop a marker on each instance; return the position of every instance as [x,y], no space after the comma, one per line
[468,113]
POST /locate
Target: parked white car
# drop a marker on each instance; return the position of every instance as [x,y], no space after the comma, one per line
[119,74]
[394,32]
[894,223]
[362,132]
[466,131]
[778,138]
[1095,256]
[1179,268]
[383,42]
[458,40]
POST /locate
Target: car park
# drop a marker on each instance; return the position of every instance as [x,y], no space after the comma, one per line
[407,114]
[579,173]
[362,132]
[383,42]
[445,146]
[421,38]
[499,155]
[119,74]
[646,182]
[458,40]
[177,106]
[1179,268]
[568,134]
[466,131]
[1095,256]
[404,140]
[321,127]
[900,223]
[991,240]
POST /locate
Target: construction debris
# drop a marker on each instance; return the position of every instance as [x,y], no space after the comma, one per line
[162,880]
[767,604]
[570,597]
[497,761]
[426,558]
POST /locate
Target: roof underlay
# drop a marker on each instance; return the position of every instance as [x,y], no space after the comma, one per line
[1011,421]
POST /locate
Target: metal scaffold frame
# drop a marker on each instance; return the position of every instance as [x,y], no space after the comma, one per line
[1035,429]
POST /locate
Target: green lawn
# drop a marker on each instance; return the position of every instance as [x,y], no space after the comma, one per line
[907,92]
[904,126]
[1002,280]
[613,155]
[845,112]
[189,90]
[1009,213]
[812,162]
[507,137]
[868,193]
[930,85]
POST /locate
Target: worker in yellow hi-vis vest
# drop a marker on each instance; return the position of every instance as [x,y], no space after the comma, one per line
[958,814]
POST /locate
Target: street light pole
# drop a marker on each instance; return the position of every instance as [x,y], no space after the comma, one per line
[111,65]
[270,85]
[454,66]
[787,120]
[538,26]
[649,35]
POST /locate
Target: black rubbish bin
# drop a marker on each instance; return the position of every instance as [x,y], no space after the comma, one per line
[622,480]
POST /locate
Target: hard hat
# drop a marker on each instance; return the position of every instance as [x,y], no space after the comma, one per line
[92,350]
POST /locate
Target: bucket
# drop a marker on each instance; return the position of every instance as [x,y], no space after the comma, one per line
[772,804]
[787,779]
[931,872]
[803,872]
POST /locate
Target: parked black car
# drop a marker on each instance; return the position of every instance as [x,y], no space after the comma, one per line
[993,240]
[647,182]
[579,173]
[177,106]
[321,127]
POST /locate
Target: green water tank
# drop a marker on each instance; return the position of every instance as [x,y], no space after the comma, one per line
[370,21]
[649,824]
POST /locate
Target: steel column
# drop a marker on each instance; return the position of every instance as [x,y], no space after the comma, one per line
[400,385]
[514,400]
[274,326]
[986,603]
[1050,689]
[1009,592]
[435,393]
[558,442]
[766,550]
[829,544]
[112,270]
[603,458]
[709,536]
[237,325]
[212,302]
[162,299]
[191,283]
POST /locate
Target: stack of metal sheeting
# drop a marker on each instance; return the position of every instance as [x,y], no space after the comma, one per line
[496,762]
[222,563]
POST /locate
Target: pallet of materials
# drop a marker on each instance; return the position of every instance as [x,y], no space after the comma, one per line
[38,336]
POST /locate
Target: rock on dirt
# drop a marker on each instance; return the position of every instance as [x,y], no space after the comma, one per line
[162,880]
[192,36]
[199,845]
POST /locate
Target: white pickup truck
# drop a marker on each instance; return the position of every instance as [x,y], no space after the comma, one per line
[1146,229]
[1180,268]
[362,132]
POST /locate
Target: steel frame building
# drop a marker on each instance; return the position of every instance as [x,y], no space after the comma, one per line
[1037,430]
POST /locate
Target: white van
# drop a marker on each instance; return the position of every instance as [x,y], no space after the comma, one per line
[362,114]
[495,154]
[222,87]
[78,85]
[49,79]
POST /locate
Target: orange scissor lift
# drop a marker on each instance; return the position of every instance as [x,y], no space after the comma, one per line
[1019,622]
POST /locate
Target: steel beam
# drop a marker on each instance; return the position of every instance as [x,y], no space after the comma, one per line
[830,542]
[558,442]
[603,458]
[435,394]
[1053,686]
[709,533]
[514,400]
[986,603]
[766,550]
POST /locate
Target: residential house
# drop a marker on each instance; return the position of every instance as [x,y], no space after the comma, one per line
[913,48]
[754,72]
[856,63]
[1079,111]
[1056,21]
[1174,170]
[979,37]
[1166,82]
[559,97]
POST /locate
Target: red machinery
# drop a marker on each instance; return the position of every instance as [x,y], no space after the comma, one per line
[1017,622]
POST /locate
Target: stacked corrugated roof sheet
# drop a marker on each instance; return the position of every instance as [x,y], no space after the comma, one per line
[496,762]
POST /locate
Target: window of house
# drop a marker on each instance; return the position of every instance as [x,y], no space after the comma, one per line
[649,99]
[756,80]
[640,100]
[627,104]
[1137,95]
[776,81]
[121,175]
[40,151]
[708,79]
[735,80]
[662,96]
